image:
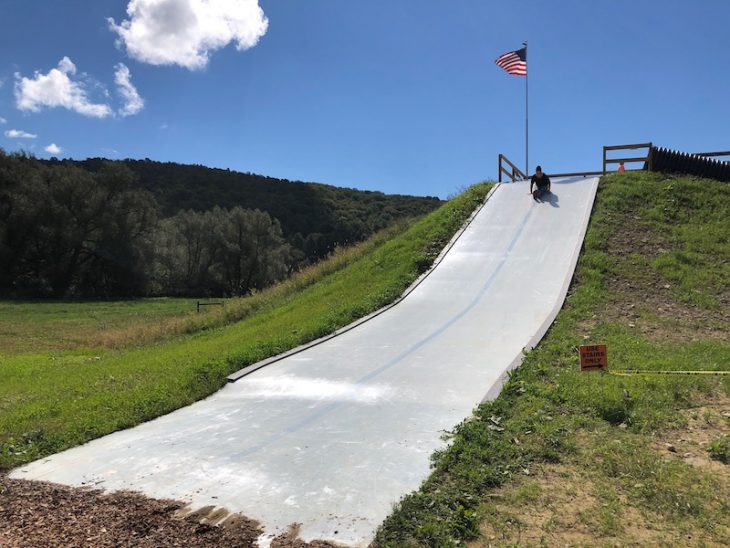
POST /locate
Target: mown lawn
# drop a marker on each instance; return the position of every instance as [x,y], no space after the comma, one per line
[570,458]
[52,399]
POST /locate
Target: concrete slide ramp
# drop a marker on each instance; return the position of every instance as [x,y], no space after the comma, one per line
[333,436]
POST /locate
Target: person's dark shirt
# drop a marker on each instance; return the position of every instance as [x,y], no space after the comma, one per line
[540,181]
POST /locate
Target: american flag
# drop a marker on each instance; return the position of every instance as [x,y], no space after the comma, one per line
[514,62]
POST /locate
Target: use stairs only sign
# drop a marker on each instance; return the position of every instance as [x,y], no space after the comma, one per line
[593,357]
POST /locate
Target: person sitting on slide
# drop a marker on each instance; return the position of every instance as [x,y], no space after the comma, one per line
[542,182]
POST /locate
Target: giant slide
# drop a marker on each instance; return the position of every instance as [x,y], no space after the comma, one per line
[333,435]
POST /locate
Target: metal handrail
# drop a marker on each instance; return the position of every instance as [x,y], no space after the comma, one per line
[516,173]
[576,174]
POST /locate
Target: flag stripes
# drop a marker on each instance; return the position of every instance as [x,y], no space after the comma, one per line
[514,62]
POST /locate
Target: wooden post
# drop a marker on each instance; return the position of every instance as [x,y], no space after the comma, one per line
[650,158]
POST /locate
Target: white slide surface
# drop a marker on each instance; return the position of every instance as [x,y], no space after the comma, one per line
[333,436]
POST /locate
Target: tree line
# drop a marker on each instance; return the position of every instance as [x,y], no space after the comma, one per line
[97,229]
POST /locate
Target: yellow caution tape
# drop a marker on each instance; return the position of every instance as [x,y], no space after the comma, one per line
[629,372]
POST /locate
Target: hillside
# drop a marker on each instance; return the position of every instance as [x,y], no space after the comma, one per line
[561,457]
[62,385]
[593,459]
[73,386]
[100,228]
[340,215]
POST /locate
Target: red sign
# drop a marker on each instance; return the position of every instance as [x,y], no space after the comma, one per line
[593,357]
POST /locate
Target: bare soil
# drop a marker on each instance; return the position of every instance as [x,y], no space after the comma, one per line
[705,424]
[646,302]
[36,514]
[563,506]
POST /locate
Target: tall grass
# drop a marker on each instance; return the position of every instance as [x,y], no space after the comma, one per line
[64,325]
[236,309]
[32,326]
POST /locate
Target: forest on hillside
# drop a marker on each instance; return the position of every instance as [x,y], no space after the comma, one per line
[99,228]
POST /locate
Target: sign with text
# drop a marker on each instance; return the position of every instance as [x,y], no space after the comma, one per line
[593,357]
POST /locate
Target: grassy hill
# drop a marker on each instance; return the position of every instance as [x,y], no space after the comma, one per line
[570,458]
[102,368]
[559,458]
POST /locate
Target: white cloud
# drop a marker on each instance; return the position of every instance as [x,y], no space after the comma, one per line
[53,149]
[66,66]
[3,120]
[133,103]
[186,32]
[18,134]
[56,89]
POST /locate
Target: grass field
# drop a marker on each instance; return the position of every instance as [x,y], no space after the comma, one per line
[66,325]
[570,458]
[48,325]
[86,380]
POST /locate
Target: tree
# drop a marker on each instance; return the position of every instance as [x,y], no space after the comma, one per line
[257,254]
[63,221]
[220,251]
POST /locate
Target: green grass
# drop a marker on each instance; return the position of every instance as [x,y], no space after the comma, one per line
[648,239]
[63,325]
[54,399]
[51,325]
[719,449]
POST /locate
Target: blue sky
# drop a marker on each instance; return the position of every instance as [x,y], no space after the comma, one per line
[401,96]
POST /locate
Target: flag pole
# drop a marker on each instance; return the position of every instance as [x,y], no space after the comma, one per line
[527,142]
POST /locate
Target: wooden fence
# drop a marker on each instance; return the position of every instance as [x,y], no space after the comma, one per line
[646,159]
[702,164]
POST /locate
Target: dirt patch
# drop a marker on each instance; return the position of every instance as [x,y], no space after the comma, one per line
[644,300]
[563,506]
[543,509]
[567,504]
[291,539]
[705,424]
[638,240]
[36,514]
[648,305]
